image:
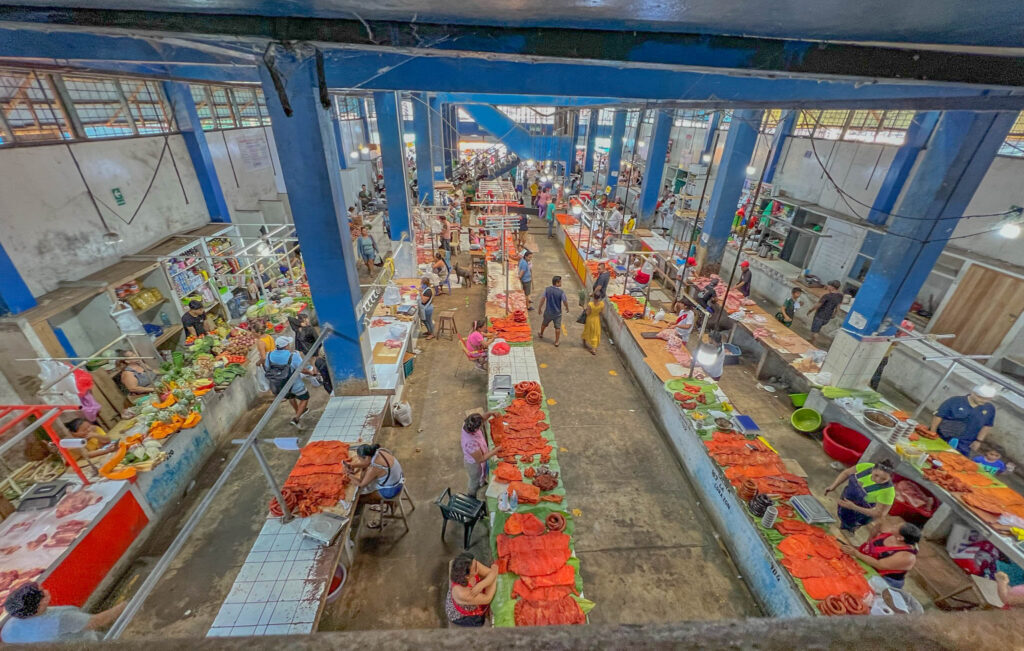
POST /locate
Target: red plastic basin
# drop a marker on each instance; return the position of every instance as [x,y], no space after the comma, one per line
[843,443]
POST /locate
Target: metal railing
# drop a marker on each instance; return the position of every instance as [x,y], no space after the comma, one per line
[135,603]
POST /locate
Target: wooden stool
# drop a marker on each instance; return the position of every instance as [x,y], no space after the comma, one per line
[446,324]
[388,511]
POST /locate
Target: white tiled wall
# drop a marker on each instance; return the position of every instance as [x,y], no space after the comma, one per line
[277,591]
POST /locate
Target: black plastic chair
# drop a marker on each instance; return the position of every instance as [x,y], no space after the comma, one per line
[462,509]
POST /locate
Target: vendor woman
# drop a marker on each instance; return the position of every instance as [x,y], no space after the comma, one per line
[868,494]
[379,473]
[134,377]
[891,554]
[967,419]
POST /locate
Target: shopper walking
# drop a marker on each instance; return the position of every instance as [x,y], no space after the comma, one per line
[475,452]
[526,276]
[550,216]
[592,326]
[603,277]
[279,366]
[367,247]
[427,307]
[553,304]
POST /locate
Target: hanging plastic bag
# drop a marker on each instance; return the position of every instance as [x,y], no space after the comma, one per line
[392,296]
[58,382]
[126,320]
[262,383]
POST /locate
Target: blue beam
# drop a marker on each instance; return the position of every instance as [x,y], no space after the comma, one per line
[15,295]
[918,134]
[709,137]
[180,97]
[309,162]
[592,129]
[657,149]
[615,150]
[505,129]
[424,165]
[945,179]
[350,67]
[437,157]
[782,131]
[524,100]
[725,195]
[392,154]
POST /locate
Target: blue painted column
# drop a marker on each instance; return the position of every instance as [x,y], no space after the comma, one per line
[782,131]
[339,142]
[309,162]
[392,153]
[956,159]
[918,133]
[446,140]
[709,137]
[615,149]
[592,124]
[657,149]
[424,165]
[725,195]
[944,180]
[15,295]
[184,107]
[436,139]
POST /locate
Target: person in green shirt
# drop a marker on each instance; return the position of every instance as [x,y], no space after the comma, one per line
[868,494]
[788,311]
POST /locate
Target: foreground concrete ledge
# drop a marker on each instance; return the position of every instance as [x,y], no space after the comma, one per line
[936,630]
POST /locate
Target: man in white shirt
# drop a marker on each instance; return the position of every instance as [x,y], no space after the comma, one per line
[615,219]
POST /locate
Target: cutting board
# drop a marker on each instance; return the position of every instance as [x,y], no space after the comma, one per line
[384,355]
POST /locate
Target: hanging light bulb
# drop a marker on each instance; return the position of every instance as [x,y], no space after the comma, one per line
[1010,230]
[557,186]
[364,150]
[750,170]
[577,209]
[706,158]
[353,154]
[530,162]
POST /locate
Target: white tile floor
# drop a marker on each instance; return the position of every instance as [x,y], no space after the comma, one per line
[276,591]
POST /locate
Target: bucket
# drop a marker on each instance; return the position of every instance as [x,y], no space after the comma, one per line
[805,420]
[337,583]
[798,399]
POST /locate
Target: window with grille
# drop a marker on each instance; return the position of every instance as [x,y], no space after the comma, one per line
[876,126]
[529,114]
[101,106]
[246,108]
[30,109]
[229,107]
[771,120]
[147,106]
[1014,143]
[692,117]
[465,117]
[348,107]
[606,117]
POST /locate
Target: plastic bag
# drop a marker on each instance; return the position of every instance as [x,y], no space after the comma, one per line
[402,413]
[126,320]
[65,391]
[262,383]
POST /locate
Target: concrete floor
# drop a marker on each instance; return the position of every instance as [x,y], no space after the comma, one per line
[641,536]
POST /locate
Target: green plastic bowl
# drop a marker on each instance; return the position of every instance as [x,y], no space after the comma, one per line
[805,420]
[798,399]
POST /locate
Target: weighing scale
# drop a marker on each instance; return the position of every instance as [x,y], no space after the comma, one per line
[43,496]
[810,509]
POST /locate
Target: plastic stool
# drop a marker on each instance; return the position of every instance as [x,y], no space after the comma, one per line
[446,324]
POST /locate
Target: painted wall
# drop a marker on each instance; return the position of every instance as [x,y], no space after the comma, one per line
[247,166]
[50,227]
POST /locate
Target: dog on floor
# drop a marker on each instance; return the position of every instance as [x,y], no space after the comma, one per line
[465,275]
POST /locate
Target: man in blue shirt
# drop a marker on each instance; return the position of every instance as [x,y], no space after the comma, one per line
[526,276]
[553,303]
[34,620]
[967,419]
[279,366]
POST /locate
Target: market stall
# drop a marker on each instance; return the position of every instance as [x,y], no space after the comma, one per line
[282,585]
[967,494]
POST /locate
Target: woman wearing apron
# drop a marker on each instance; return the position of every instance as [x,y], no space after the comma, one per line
[868,494]
[427,306]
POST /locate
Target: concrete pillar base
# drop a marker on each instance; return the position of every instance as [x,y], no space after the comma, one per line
[853,361]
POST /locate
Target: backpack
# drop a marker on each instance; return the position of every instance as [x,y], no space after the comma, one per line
[278,374]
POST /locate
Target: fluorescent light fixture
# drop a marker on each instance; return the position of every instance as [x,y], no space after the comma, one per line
[706,158]
[750,170]
[110,237]
[1010,230]
[353,154]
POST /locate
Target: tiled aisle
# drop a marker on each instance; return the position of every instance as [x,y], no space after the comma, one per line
[277,591]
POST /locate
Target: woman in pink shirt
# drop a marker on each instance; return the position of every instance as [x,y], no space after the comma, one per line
[475,452]
[476,344]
